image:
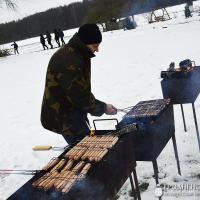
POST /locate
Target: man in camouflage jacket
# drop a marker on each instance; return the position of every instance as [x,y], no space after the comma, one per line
[67,97]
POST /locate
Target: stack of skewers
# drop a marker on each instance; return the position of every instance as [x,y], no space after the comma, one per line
[62,173]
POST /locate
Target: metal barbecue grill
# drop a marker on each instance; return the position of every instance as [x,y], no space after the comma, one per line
[102,182]
[183,86]
[155,121]
[147,110]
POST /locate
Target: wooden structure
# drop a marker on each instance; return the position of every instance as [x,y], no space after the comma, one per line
[154,17]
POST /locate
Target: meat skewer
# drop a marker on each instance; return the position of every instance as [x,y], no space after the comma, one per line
[68,186]
[59,165]
[51,181]
[68,166]
[68,181]
[51,164]
[65,175]
[101,155]
[84,171]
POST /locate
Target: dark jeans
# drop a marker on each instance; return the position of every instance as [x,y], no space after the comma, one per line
[79,128]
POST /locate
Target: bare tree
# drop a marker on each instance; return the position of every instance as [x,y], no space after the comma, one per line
[9,3]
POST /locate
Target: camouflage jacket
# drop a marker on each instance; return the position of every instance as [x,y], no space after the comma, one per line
[67,96]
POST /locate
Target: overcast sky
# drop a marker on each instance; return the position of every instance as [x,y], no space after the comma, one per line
[29,7]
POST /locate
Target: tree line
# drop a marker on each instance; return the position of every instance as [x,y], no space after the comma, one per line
[75,14]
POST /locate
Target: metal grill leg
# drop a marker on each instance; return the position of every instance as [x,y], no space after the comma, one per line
[155,169]
[183,118]
[132,187]
[196,125]
[136,184]
[176,153]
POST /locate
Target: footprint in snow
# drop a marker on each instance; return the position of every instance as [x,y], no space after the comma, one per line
[192,161]
[3,176]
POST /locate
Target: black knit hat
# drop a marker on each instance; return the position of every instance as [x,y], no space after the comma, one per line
[90,34]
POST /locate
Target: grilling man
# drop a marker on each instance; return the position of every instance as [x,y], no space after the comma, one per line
[67,96]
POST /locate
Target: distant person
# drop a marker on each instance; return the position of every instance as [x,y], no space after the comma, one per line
[187,11]
[48,37]
[128,24]
[15,46]
[61,35]
[190,4]
[42,40]
[56,33]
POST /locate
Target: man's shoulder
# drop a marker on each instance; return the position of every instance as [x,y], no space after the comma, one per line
[66,56]
[66,50]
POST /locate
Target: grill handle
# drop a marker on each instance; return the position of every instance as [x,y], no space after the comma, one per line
[113,119]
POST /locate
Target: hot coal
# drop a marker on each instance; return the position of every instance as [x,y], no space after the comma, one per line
[185,70]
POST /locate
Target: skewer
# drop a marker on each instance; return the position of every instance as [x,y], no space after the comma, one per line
[102,155]
[62,177]
[59,165]
[38,181]
[69,185]
[84,171]
[45,180]
[51,181]
[98,155]
[122,110]
[19,171]
[67,166]
[61,184]
[51,164]
[78,166]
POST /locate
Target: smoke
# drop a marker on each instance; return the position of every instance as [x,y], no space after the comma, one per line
[87,189]
[54,195]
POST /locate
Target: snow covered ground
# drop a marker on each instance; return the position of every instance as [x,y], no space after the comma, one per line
[125,71]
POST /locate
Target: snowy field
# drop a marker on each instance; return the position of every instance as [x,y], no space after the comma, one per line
[125,71]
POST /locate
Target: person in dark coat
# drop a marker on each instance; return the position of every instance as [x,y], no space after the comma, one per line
[48,37]
[42,40]
[187,11]
[15,46]
[61,35]
[67,96]
[56,33]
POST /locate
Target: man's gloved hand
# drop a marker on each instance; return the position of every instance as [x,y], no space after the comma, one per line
[110,109]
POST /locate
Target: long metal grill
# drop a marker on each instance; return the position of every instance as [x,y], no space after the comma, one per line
[77,175]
